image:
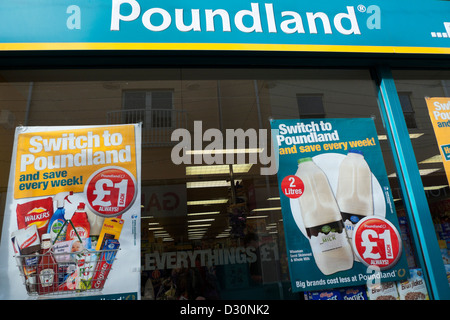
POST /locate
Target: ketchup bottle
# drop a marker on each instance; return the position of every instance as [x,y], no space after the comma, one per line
[47,268]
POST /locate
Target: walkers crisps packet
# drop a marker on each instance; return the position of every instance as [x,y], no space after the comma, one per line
[37,212]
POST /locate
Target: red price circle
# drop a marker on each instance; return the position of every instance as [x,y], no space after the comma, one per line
[110,191]
[377,242]
[292,187]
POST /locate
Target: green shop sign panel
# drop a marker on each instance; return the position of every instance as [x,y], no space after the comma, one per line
[376,26]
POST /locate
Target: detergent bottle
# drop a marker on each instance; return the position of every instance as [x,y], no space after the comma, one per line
[80,223]
[322,220]
[57,220]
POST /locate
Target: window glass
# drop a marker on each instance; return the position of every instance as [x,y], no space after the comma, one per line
[422,85]
[408,111]
[229,212]
[310,106]
[152,108]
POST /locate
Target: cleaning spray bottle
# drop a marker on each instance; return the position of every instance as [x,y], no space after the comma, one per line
[57,220]
[80,223]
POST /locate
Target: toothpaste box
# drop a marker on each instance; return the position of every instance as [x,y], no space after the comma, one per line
[105,262]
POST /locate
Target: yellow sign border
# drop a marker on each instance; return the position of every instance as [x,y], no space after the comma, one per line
[218,47]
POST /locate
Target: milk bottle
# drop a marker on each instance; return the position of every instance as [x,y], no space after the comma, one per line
[322,220]
[354,190]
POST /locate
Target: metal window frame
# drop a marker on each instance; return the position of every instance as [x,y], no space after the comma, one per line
[416,205]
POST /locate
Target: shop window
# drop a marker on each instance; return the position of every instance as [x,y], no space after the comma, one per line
[310,106]
[424,85]
[152,108]
[196,224]
[408,111]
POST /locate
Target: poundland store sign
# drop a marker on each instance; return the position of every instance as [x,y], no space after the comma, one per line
[292,22]
[401,26]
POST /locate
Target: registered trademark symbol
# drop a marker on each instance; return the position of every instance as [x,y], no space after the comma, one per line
[361,8]
[401,272]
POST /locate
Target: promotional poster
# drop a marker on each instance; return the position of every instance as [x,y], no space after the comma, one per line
[439,110]
[340,223]
[72,216]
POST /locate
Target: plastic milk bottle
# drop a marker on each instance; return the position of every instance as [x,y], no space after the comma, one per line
[322,220]
[354,190]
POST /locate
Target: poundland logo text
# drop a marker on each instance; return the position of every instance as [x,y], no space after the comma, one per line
[258,18]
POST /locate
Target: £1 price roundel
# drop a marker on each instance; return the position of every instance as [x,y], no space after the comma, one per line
[110,191]
[377,242]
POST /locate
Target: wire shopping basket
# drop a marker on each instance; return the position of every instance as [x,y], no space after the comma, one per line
[73,268]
